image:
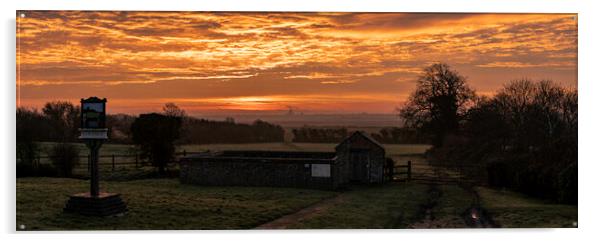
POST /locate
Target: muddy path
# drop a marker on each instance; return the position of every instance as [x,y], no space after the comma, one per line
[431,215]
[305,213]
[476,216]
[426,213]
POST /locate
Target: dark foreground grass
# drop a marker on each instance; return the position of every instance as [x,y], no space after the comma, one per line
[514,210]
[160,204]
[388,206]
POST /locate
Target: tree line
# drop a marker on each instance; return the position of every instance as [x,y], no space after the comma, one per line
[386,135]
[203,131]
[523,137]
[155,134]
[319,135]
[59,121]
[399,135]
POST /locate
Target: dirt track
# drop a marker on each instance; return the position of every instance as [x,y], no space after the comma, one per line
[305,213]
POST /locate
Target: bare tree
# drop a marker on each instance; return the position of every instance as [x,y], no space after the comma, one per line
[439,102]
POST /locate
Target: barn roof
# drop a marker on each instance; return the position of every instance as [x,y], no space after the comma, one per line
[364,135]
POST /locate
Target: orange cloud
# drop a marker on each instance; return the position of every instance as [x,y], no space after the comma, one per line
[150,57]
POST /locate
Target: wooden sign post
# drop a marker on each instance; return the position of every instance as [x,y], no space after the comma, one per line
[94,133]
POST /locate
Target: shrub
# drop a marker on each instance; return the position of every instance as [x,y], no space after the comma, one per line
[27,151]
[64,157]
[42,170]
[47,170]
[25,169]
[567,184]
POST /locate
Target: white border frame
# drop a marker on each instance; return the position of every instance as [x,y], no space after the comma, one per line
[589,85]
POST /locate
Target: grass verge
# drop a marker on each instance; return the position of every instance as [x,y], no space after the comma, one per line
[514,210]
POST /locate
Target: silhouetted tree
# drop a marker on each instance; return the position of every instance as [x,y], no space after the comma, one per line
[64,119]
[439,102]
[30,129]
[525,136]
[155,134]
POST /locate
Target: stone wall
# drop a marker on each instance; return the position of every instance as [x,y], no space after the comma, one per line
[316,170]
[233,171]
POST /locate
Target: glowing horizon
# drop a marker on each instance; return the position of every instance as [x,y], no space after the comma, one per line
[318,62]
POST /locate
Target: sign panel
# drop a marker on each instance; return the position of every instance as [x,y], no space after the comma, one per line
[93,113]
[97,107]
[320,170]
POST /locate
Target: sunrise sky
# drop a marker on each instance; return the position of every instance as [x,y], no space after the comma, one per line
[314,62]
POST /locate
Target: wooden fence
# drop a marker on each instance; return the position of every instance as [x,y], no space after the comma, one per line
[397,173]
[111,162]
[435,174]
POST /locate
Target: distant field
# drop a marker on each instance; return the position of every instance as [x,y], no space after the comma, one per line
[391,149]
[288,131]
[120,149]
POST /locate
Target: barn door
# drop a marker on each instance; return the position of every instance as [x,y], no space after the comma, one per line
[359,160]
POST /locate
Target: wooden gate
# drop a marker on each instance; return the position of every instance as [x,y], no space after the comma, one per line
[399,173]
[429,173]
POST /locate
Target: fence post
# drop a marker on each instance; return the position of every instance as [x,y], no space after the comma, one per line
[88,163]
[391,168]
[409,170]
[136,160]
[113,162]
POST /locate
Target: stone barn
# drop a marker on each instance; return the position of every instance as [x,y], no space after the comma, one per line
[364,158]
[357,159]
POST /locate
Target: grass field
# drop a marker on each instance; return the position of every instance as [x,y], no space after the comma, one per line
[159,204]
[167,204]
[383,207]
[514,210]
[106,149]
